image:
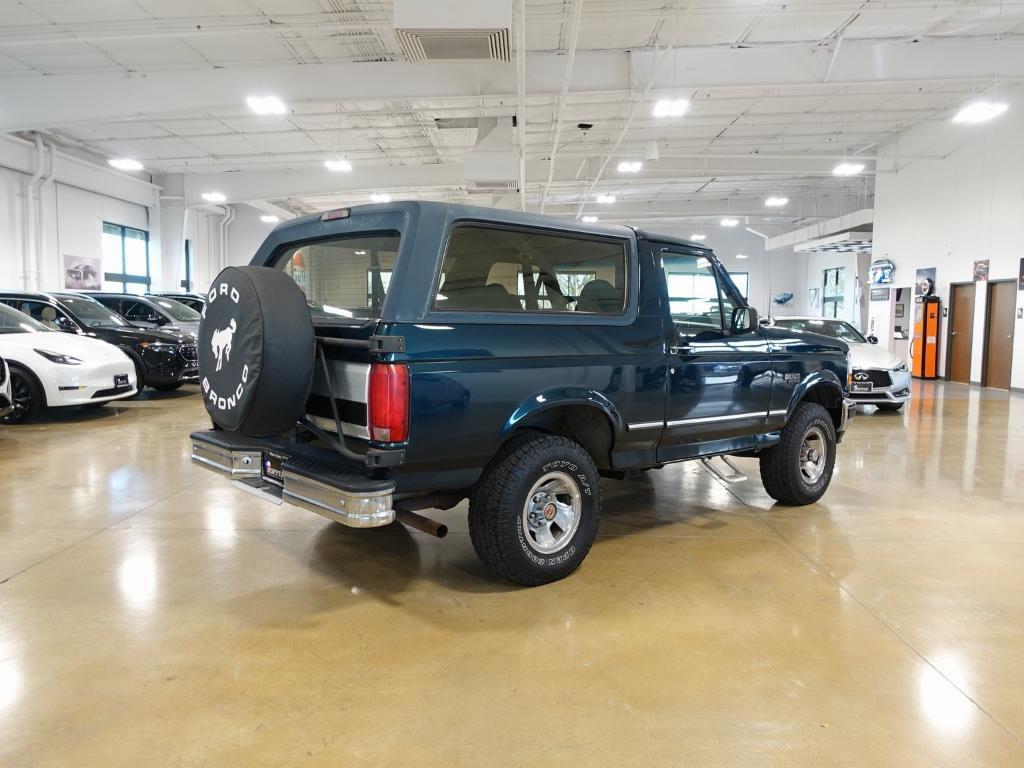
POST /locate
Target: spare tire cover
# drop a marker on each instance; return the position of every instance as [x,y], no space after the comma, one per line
[256,351]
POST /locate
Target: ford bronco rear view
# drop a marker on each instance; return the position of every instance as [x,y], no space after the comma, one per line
[379,361]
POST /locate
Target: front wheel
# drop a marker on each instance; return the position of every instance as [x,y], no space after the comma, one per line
[27,397]
[533,516]
[798,469]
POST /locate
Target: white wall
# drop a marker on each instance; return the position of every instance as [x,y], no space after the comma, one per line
[945,213]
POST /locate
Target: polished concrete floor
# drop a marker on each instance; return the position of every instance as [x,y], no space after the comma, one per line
[151,615]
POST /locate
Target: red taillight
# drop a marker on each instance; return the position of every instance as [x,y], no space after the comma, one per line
[389,402]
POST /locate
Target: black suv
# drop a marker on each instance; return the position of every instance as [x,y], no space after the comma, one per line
[163,359]
[382,360]
[193,301]
[151,311]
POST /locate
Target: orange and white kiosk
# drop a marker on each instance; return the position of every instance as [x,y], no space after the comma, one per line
[924,349]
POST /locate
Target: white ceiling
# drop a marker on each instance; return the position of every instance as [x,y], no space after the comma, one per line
[749,132]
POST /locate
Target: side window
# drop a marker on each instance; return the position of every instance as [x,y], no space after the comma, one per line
[135,310]
[490,269]
[694,300]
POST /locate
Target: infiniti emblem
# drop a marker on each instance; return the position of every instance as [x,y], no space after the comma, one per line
[861,376]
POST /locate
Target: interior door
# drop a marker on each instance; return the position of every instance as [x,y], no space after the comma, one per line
[719,377]
[961,332]
[1002,300]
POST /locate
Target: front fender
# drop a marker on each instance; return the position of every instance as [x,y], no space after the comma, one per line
[561,396]
[823,377]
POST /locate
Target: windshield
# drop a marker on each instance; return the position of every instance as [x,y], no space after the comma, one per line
[344,278]
[13,321]
[178,311]
[91,313]
[836,329]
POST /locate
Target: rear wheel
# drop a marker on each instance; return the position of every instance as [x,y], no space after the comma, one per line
[534,514]
[798,469]
[27,396]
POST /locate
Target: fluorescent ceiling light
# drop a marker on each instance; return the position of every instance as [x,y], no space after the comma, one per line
[338,165]
[698,238]
[727,222]
[776,202]
[670,107]
[848,169]
[359,253]
[266,105]
[590,219]
[630,166]
[269,218]
[741,255]
[125,164]
[380,197]
[980,111]
[606,199]
[214,197]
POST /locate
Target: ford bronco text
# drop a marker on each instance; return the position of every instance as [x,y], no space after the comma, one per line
[379,361]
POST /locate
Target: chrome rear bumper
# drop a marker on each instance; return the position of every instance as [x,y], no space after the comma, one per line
[849,411]
[337,491]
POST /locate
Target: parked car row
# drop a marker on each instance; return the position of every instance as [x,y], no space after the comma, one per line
[74,349]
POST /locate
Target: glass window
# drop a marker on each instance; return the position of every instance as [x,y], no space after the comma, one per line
[339,276]
[177,311]
[692,292]
[91,313]
[16,322]
[742,282]
[832,301]
[125,259]
[490,269]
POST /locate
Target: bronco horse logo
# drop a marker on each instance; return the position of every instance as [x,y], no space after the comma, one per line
[221,343]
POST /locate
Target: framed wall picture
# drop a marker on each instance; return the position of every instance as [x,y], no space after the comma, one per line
[981,270]
[899,311]
[81,273]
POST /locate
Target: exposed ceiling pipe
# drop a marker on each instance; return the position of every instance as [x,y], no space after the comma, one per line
[659,57]
[521,89]
[574,37]
[229,216]
[42,187]
[31,211]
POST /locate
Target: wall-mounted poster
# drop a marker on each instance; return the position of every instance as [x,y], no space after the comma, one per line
[782,299]
[981,270]
[924,284]
[880,294]
[813,293]
[899,311]
[82,273]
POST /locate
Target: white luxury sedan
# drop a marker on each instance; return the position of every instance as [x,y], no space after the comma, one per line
[6,406]
[53,369]
[879,378]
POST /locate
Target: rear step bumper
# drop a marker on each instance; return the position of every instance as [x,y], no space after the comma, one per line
[338,491]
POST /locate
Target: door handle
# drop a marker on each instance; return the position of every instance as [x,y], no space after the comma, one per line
[953,333]
[679,349]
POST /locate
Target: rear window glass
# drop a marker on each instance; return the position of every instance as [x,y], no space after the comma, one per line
[497,270]
[346,277]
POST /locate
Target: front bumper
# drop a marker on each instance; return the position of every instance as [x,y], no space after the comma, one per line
[337,489]
[897,392]
[849,411]
[82,384]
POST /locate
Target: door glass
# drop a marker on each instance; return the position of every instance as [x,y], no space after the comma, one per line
[692,292]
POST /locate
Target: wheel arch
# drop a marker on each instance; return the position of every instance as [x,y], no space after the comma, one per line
[823,388]
[13,365]
[584,415]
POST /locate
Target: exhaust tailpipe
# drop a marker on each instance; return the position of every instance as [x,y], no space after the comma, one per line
[421,523]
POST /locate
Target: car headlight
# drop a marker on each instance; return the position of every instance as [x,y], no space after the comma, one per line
[57,357]
[901,368]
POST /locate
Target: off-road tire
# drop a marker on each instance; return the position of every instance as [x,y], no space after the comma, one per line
[496,508]
[780,464]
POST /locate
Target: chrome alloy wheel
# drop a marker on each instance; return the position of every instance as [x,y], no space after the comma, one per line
[552,512]
[813,455]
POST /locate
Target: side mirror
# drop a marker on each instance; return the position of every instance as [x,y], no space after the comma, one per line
[744,319]
[872,339]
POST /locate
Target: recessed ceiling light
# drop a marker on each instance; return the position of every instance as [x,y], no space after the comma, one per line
[980,111]
[698,238]
[670,107]
[741,255]
[380,197]
[266,105]
[848,169]
[776,202]
[338,165]
[606,199]
[125,164]
[214,197]
[630,166]
[727,222]
[269,218]
[590,219]
[359,253]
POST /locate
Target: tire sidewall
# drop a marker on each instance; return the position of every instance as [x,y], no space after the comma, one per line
[577,465]
[35,406]
[814,418]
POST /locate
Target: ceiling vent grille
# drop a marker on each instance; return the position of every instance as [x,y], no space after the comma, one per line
[455,44]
